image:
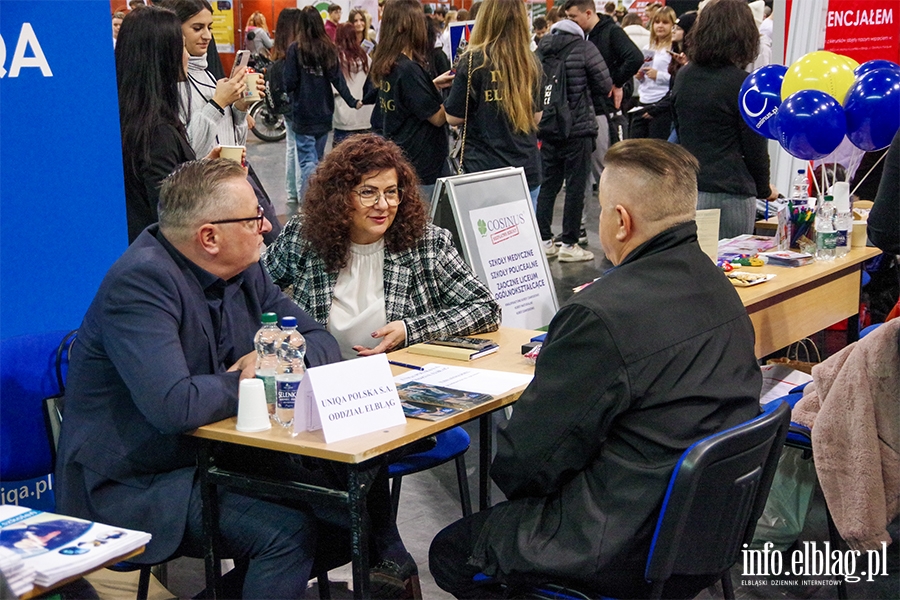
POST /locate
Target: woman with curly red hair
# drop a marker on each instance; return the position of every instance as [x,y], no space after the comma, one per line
[364,261]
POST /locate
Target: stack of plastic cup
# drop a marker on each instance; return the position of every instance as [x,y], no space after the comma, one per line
[253,413]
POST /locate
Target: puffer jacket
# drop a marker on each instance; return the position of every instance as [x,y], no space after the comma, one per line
[587,78]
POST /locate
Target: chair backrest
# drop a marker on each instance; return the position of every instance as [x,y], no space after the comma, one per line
[27,376]
[715,496]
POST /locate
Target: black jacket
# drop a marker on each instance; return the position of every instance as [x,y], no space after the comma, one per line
[312,100]
[623,58]
[655,355]
[733,158]
[587,79]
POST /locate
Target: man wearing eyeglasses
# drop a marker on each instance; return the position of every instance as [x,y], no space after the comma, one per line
[160,352]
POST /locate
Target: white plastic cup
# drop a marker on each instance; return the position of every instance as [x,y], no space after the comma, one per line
[253,413]
[235,153]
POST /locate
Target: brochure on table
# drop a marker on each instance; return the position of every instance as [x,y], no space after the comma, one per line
[492,220]
[348,398]
[483,381]
[58,546]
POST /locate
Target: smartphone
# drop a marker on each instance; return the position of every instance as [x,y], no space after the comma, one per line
[241,59]
[462,342]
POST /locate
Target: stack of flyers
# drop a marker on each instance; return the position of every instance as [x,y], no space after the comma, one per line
[58,547]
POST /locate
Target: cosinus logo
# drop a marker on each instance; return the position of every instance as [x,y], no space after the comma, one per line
[505,222]
[27,39]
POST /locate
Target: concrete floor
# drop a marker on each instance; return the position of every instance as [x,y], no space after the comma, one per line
[430,500]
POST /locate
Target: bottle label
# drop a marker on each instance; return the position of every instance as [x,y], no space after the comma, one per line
[840,239]
[287,393]
[826,240]
[269,385]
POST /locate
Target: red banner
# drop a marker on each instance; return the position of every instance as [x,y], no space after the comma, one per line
[864,29]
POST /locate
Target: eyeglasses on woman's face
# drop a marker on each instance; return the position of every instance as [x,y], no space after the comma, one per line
[369,196]
[258,218]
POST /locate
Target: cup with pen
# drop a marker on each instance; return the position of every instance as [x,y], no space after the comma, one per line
[801,219]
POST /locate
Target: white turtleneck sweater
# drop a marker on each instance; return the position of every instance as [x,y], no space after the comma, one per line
[207,126]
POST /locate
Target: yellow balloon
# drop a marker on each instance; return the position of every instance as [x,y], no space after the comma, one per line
[824,71]
[850,62]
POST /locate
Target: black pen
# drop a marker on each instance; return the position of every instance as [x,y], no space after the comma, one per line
[407,366]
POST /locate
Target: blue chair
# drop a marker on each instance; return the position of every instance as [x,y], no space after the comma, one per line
[27,376]
[451,445]
[28,431]
[716,494]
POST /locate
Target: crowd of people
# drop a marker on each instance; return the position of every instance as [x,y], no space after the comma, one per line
[634,369]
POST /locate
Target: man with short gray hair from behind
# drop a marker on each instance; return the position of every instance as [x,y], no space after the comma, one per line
[653,356]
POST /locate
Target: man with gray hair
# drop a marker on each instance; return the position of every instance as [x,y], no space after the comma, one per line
[655,355]
[160,352]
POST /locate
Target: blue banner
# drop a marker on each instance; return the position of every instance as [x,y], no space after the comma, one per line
[62,196]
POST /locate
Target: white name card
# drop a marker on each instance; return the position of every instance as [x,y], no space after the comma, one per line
[348,398]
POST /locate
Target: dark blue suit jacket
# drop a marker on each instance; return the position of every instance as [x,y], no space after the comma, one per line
[144,372]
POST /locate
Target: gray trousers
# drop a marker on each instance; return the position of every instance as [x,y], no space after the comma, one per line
[596,166]
[738,214]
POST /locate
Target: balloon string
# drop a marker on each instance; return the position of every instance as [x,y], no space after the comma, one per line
[867,174]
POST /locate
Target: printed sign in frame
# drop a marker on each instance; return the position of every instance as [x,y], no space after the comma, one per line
[492,220]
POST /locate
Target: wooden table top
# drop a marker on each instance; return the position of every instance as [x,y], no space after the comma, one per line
[363,447]
[790,278]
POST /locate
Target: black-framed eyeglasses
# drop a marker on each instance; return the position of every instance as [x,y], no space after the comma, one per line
[369,196]
[260,215]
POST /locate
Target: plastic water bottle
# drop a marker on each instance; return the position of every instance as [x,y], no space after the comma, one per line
[291,350]
[800,188]
[843,218]
[266,341]
[826,236]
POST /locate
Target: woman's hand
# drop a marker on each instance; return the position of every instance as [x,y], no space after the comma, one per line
[444,80]
[217,153]
[640,74]
[230,90]
[243,105]
[393,334]
[651,73]
[773,192]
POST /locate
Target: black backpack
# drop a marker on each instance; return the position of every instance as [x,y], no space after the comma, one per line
[556,122]
[277,99]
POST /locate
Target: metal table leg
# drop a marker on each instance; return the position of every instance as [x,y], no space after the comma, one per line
[210,498]
[486,433]
[359,533]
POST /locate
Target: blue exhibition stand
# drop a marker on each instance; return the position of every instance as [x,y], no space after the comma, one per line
[62,197]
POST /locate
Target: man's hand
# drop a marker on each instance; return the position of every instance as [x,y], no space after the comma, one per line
[616,94]
[393,334]
[246,365]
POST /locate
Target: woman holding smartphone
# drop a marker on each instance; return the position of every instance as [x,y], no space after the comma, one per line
[213,110]
[410,107]
[656,119]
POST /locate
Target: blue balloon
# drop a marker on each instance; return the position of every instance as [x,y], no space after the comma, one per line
[810,124]
[872,108]
[872,65]
[760,98]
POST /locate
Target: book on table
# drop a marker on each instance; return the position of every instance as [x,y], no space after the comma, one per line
[434,402]
[59,547]
[451,352]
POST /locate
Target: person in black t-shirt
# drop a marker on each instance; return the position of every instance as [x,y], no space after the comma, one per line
[410,108]
[503,89]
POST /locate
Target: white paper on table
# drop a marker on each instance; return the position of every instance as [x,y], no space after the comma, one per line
[484,381]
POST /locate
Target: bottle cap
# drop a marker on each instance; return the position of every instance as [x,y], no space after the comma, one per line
[269,318]
[842,196]
[288,322]
[801,171]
